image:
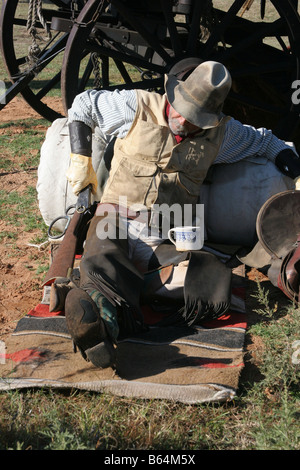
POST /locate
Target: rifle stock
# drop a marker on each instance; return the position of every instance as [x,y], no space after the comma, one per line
[63,261]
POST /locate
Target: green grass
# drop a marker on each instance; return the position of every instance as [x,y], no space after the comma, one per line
[20,143]
[21,210]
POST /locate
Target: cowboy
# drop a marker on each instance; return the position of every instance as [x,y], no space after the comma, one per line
[165,145]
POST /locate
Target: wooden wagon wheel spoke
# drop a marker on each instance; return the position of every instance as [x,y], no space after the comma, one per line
[49,86]
[123,72]
[251,70]
[220,28]
[257,103]
[28,74]
[257,35]
[171,25]
[86,75]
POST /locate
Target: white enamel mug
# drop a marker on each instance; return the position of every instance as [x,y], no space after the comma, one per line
[186,238]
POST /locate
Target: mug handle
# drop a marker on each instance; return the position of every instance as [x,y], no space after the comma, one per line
[170,235]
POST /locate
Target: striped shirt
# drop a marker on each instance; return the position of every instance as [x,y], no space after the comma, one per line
[113,112]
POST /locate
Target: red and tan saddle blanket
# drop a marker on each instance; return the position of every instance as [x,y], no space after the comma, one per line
[186,364]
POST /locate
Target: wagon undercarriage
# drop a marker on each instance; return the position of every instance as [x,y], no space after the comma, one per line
[128,44]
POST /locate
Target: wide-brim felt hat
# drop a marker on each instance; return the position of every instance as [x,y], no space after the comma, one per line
[200,98]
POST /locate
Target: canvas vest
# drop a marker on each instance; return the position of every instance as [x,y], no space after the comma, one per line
[149,167]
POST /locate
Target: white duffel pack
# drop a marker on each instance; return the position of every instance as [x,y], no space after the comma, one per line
[55,194]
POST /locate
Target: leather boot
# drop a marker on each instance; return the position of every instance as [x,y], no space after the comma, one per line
[58,293]
[88,330]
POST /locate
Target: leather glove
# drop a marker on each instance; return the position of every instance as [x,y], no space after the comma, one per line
[81,173]
[297,183]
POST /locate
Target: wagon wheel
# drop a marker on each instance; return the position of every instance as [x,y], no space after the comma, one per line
[29,53]
[259,45]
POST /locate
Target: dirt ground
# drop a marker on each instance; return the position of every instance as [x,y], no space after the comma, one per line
[19,109]
[21,286]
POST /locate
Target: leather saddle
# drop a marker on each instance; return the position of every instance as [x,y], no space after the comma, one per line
[278,230]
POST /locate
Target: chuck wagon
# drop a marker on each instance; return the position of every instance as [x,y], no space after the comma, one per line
[73,45]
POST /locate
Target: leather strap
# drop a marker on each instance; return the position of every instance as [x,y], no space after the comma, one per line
[292,268]
[290,290]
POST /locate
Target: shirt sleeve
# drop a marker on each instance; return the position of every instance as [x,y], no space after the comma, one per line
[242,141]
[112,111]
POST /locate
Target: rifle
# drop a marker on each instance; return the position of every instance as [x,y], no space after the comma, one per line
[74,233]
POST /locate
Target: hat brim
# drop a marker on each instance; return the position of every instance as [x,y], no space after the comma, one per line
[186,106]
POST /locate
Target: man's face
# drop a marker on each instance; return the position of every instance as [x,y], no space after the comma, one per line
[179,125]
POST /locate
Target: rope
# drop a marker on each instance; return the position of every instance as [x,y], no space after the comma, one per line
[96,61]
[35,13]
